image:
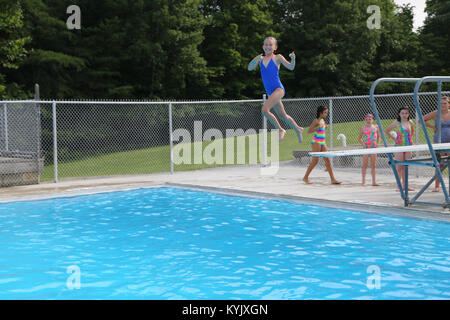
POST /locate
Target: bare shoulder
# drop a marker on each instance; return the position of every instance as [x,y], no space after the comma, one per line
[278,57]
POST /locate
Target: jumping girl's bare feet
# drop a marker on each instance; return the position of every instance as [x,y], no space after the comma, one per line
[281,134]
[307,181]
[300,134]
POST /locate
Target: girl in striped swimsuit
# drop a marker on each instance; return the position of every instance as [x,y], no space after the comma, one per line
[318,126]
[405,131]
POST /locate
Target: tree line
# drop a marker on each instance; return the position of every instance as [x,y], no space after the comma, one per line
[199,49]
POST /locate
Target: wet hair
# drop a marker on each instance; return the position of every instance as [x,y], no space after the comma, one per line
[400,110]
[320,109]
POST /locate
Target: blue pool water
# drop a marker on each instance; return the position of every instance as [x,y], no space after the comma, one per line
[168,243]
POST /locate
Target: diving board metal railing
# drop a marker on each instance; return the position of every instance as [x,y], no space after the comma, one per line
[436,159]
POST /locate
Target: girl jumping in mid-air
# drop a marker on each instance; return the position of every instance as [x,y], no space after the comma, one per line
[405,131]
[318,126]
[369,137]
[270,67]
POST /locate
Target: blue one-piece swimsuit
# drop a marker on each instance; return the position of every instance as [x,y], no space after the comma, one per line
[445,132]
[270,77]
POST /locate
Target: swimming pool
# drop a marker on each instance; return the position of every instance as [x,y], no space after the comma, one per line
[170,243]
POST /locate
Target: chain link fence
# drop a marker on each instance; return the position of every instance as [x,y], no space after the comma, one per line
[111,138]
[21,158]
[222,133]
[72,139]
[345,120]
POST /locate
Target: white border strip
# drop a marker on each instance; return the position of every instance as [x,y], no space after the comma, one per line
[360,152]
[353,206]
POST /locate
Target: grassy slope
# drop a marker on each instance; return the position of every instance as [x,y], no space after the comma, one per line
[157,159]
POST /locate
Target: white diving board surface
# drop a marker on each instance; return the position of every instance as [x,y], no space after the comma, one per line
[361,152]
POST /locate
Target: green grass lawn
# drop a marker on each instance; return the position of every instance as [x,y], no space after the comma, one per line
[157,159]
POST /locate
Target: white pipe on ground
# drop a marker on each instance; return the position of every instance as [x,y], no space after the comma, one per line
[344,139]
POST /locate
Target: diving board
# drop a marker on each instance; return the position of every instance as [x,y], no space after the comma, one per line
[436,150]
[394,149]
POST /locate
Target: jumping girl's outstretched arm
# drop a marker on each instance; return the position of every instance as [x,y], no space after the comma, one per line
[255,61]
[284,62]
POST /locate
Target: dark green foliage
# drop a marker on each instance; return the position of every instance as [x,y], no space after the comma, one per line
[12,47]
[199,49]
[337,54]
[435,39]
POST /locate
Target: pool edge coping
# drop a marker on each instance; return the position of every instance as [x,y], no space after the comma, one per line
[80,191]
[335,204]
[343,205]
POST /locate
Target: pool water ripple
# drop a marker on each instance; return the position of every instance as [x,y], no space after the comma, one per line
[167,243]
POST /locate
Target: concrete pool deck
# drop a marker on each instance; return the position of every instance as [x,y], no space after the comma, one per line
[247,180]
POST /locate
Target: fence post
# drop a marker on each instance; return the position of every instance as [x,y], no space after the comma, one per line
[438,115]
[417,130]
[55,145]
[171,137]
[330,108]
[417,140]
[5,116]
[38,132]
[264,133]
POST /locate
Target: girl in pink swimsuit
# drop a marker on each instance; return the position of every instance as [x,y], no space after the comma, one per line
[369,137]
[404,128]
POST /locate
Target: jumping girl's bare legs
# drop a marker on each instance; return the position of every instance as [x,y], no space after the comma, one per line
[279,110]
[274,99]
